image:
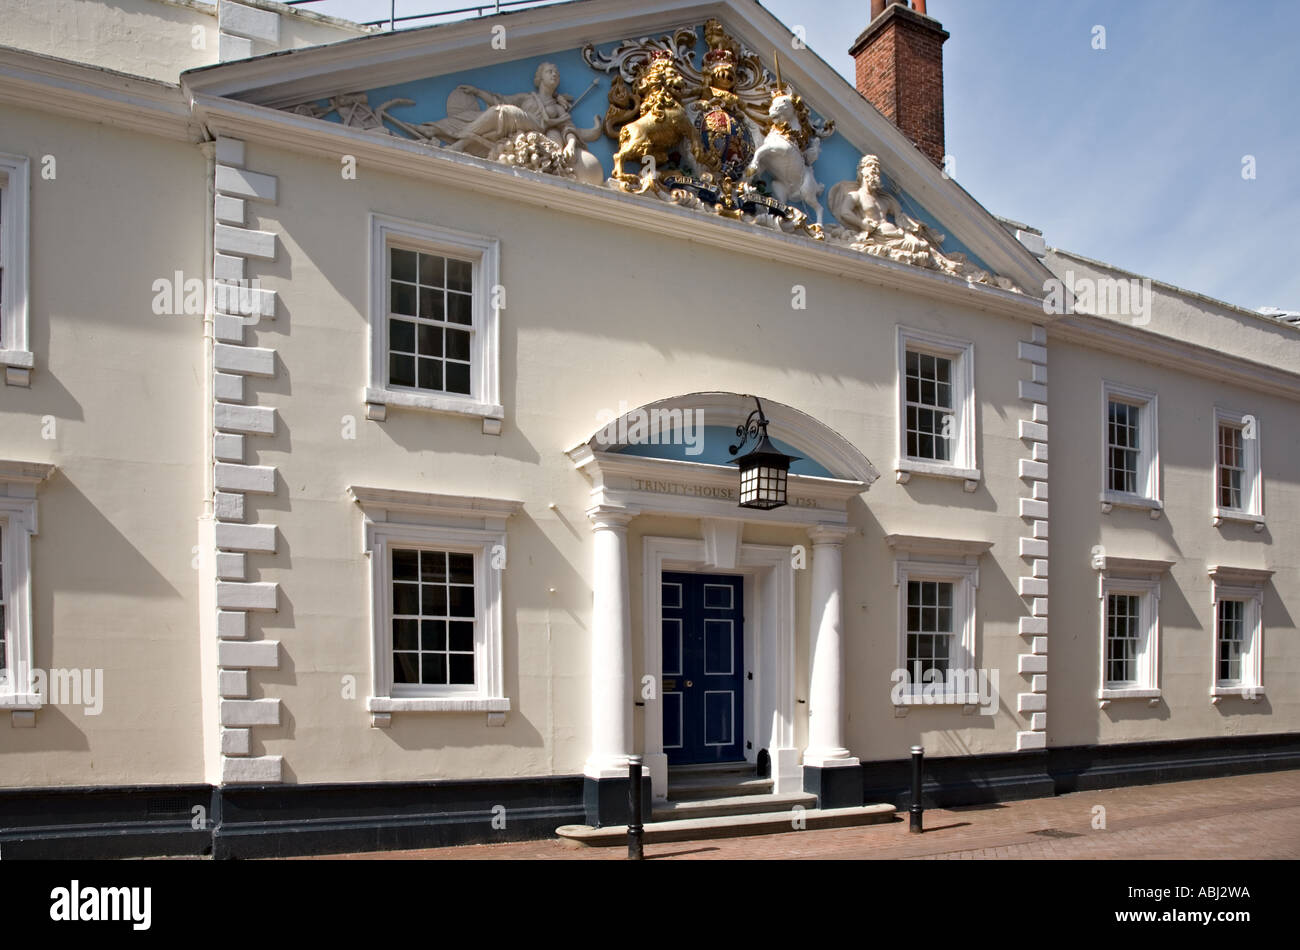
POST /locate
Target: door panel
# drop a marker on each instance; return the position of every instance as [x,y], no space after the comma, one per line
[703,668]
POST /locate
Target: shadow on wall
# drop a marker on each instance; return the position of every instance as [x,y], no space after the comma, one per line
[59,728]
[1276,616]
[109,562]
[47,396]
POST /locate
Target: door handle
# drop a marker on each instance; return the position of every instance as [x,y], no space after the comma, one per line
[689,684]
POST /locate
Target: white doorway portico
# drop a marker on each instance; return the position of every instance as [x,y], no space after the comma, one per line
[629,479]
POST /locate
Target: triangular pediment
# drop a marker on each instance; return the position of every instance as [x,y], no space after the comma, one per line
[713,107]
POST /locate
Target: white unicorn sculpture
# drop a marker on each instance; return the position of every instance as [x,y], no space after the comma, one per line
[789,165]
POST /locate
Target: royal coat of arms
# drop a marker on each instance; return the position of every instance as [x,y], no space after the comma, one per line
[703,135]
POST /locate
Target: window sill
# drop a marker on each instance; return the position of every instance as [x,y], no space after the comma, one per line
[969,702]
[1250,693]
[941,698]
[18,366]
[1241,517]
[378,401]
[906,468]
[969,705]
[381,708]
[24,702]
[1105,696]
[23,706]
[1119,499]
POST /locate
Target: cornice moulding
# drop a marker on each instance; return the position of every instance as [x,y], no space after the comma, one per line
[953,547]
[25,473]
[45,83]
[597,466]
[1108,336]
[1151,567]
[429,503]
[1241,576]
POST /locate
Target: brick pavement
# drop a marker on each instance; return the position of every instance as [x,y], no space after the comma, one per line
[1244,816]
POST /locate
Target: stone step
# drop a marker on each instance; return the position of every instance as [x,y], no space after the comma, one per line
[742,804]
[725,826]
[710,768]
[717,786]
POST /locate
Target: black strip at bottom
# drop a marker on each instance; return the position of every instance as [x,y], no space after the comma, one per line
[986,779]
[288,820]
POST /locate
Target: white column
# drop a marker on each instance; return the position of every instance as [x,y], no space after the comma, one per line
[611,646]
[826,747]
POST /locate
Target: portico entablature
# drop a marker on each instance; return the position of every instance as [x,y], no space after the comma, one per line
[648,470]
[670,487]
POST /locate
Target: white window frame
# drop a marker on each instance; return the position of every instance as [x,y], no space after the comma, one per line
[1141,578]
[1148,475]
[484,253]
[964,464]
[1252,489]
[964,577]
[419,520]
[1247,586]
[18,525]
[15,353]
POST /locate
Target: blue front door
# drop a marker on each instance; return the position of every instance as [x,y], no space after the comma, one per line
[703,668]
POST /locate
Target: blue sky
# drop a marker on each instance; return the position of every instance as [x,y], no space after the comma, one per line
[1132,154]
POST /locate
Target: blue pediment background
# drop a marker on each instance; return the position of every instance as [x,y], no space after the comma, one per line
[714,444]
[838,160]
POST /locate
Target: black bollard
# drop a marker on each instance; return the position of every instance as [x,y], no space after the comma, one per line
[635,832]
[918,756]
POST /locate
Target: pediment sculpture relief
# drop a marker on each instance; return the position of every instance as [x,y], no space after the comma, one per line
[533,130]
[873,221]
[725,138]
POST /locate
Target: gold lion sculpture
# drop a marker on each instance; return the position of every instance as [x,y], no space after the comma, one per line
[662,122]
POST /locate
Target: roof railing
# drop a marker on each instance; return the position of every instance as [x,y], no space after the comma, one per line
[477,10]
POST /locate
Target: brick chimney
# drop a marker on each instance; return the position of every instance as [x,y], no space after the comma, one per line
[900,71]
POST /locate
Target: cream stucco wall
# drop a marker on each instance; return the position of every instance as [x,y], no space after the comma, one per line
[1183,534]
[120,388]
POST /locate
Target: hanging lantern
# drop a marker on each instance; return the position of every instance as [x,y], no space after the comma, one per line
[764,471]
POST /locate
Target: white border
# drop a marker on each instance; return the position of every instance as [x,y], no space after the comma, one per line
[18,516]
[731,648]
[485,254]
[1147,589]
[1253,488]
[731,722]
[680,697]
[1148,476]
[474,531]
[15,218]
[681,644]
[1225,586]
[965,579]
[965,462]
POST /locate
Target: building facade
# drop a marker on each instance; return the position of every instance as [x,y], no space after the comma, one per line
[368,406]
